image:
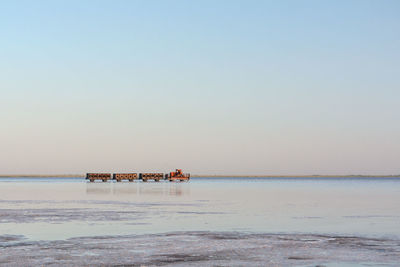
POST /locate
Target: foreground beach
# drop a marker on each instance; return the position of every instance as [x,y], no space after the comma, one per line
[206,222]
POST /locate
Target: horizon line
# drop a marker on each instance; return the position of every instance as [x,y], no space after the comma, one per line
[208,175]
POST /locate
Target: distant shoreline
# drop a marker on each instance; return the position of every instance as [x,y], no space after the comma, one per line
[208,176]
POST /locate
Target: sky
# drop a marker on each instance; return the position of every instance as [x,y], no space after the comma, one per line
[212,87]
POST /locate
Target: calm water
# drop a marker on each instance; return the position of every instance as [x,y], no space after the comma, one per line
[63,208]
[60,209]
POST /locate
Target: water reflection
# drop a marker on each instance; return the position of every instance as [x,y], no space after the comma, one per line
[178,190]
[149,190]
[137,188]
[98,189]
[60,209]
[125,189]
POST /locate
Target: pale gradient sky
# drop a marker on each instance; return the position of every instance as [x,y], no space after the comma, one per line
[213,87]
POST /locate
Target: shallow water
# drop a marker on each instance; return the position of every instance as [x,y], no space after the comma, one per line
[35,211]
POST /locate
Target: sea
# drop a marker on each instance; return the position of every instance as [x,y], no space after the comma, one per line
[208,221]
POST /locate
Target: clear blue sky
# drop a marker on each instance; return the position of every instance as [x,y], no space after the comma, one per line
[214,87]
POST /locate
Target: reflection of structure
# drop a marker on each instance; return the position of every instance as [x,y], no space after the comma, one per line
[125,189]
[176,190]
[138,189]
[152,190]
[98,189]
